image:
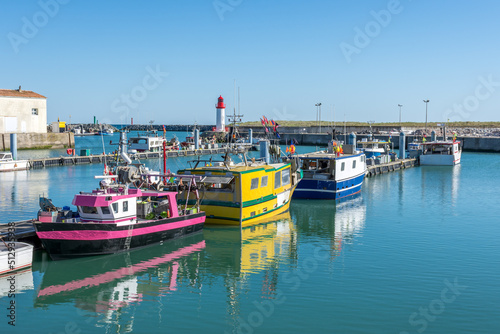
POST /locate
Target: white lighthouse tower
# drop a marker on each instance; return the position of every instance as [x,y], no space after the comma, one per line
[220,121]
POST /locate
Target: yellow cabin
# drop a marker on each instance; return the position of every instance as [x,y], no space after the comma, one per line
[245,193]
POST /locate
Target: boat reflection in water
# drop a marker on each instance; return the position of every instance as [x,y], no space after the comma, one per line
[113,285]
[339,222]
[250,253]
[23,281]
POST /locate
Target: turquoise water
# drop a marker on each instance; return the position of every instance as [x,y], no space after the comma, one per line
[415,252]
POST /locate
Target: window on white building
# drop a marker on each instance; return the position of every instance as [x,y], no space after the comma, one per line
[34,111]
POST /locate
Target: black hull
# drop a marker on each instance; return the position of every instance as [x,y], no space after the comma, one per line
[63,248]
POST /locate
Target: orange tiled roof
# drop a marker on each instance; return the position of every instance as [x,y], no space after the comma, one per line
[22,93]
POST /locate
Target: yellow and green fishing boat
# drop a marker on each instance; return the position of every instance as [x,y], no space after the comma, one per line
[243,193]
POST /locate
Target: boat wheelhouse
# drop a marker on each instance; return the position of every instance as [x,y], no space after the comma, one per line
[329,175]
[146,142]
[244,193]
[116,217]
[374,148]
[8,164]
[441,153]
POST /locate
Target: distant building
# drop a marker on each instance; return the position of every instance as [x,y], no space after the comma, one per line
[22,111]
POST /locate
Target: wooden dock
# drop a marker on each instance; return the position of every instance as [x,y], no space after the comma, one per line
[23,231]
[82,160]
[390,167]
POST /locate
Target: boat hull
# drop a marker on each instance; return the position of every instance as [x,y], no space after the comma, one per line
[68,240]
[221,214]
[17,256]
[439,160]
[328,189]
[10,166]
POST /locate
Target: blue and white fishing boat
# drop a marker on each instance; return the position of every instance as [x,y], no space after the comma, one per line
[331,174]
[374,148]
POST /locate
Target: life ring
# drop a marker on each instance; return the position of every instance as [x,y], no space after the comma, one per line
[69,151]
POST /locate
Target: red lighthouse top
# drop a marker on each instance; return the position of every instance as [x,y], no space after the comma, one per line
[221,104]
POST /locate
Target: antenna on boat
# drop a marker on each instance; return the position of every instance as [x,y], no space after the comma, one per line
[345,131]
[103,150]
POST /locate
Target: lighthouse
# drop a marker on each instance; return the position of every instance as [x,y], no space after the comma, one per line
[220,123]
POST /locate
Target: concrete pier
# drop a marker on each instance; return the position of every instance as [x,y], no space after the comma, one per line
[82,160]
[390,167]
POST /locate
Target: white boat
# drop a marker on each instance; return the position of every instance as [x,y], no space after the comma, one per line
[8,164]
[14,256]
[330,175]
[146,142]
[441,153]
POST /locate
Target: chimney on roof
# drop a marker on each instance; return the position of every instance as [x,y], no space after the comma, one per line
[20,89]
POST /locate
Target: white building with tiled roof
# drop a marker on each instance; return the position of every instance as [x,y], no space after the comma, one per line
[22,111]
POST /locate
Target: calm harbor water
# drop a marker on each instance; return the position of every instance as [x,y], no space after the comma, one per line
[415,252]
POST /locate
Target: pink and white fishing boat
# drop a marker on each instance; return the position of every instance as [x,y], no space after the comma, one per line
[118,216]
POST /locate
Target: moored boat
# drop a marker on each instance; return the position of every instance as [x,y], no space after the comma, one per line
[147,142]
[116,217]
[7,163]
[15,256]
[441,153]
[330,175]
[374,148]
[244,193]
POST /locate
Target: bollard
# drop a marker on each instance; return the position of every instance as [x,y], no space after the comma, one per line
[196,139]
[13,145]
[264,150]
[352,140]
[402,146]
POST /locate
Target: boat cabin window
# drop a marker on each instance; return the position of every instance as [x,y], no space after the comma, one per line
[277,180]
[354,164]
[125,206]
[263,182]
[323,165]
[88,209]
[254,183]
[115,207]
[362,158]
[105,210]
[285,176]
[342,166]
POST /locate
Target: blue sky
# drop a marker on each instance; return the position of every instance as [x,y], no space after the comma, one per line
[168,61]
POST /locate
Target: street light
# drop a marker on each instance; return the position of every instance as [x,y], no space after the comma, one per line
[318,115]
[426,101]
[400,105]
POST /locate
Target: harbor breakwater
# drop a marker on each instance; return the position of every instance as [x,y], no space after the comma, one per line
[473,144]
[39,140]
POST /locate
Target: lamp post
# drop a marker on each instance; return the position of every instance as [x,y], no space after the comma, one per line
[400,105]
[318,115]
[426,101]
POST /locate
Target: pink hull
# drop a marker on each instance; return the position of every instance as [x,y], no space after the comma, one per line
[135,230]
